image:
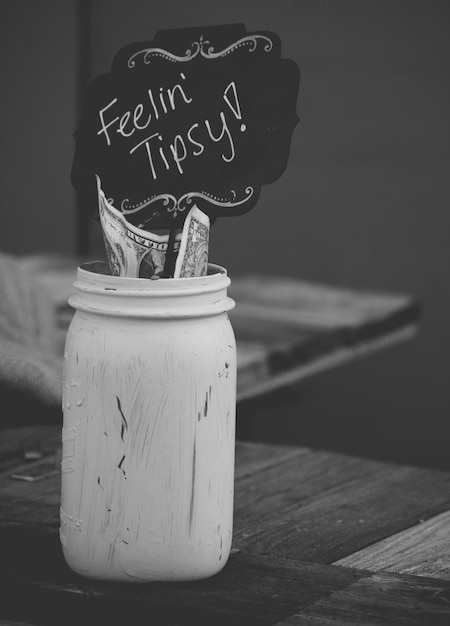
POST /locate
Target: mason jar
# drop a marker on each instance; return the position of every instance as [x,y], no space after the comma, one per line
[148,432]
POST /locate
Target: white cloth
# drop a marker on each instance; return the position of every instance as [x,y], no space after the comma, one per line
[31,356]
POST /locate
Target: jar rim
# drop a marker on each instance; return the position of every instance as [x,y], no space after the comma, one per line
[170,297]
[102,268]
[90,277]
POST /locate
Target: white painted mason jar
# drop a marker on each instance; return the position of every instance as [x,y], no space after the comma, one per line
[149,427]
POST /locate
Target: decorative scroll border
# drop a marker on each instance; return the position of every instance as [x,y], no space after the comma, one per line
[179,205]
[202,47]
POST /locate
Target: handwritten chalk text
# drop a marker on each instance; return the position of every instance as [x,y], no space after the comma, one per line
[169,153]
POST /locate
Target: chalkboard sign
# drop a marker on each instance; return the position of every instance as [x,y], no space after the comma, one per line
[197,116]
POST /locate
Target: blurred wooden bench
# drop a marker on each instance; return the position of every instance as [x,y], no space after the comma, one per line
[286,329]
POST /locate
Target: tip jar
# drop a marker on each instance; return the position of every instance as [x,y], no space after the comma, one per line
[148,427]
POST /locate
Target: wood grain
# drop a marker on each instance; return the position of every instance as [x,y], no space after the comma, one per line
[259,378]
[312,305]
[290,502]
[19,444]
[308,328]
[423,550]
[298,514]
[254,457]
[30,503]
[380,600]
[250,590]
[324,506]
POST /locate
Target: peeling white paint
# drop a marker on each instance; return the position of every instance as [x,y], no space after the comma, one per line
[152,475]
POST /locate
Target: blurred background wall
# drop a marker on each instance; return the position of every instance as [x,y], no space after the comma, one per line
[363,202]
[38,61]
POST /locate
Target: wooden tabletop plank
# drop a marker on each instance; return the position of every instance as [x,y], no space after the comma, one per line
[249,590]
[23,502]
[380,600]
[298,513]
[302,360]
[290,502]
[323,506]
[254,457]
[37,503]
[27,443]
[423,550]
[312,305]
[307,328]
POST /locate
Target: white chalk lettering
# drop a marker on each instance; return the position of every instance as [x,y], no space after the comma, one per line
[152,102]
[138,111]
[177,156]
[162,154]
[165,153]
[179,88]
[161,99]
[163,157]
[146,143]
[123,122]
[138,118]
[194,142]
[226,131]
[104,128]
[234,106]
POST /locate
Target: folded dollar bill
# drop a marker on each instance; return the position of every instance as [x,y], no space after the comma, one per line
[192,259]
[131,251]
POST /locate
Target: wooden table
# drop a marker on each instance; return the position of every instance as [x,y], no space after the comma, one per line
[320,539]
[289,329]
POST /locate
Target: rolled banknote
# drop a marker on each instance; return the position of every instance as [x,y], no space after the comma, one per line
[192,259]
[131,251]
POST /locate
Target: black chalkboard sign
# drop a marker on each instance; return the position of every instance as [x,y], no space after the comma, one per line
[197,116]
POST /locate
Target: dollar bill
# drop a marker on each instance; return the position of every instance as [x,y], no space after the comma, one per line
[192,259]
[131,251]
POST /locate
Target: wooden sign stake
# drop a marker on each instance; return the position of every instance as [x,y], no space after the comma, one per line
[169,262]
